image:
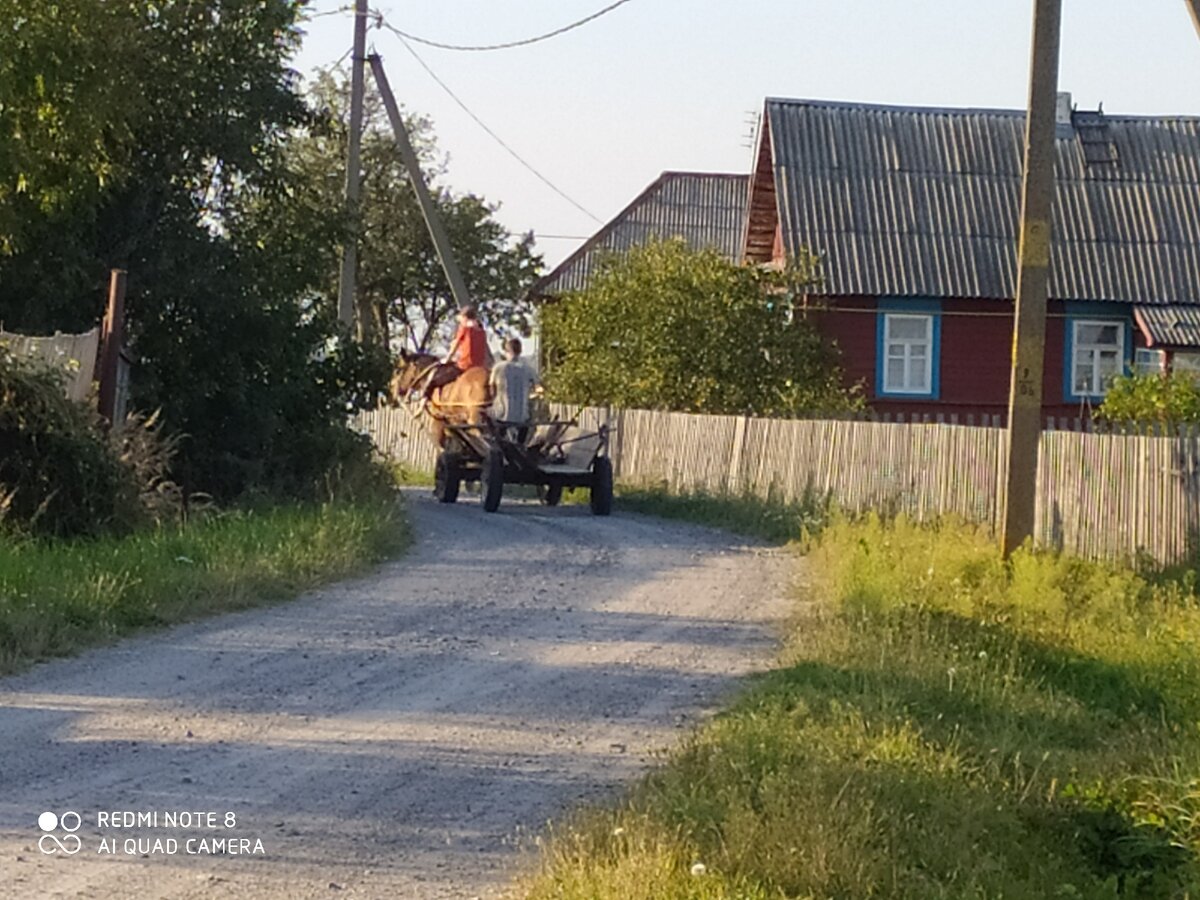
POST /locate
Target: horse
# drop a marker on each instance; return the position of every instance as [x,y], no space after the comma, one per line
[463,401]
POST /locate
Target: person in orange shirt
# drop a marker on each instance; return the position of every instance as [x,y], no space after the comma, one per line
[470,347]
[468,350]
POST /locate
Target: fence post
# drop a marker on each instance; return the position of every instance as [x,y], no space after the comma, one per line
[112,337]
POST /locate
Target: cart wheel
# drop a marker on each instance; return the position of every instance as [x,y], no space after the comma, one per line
[491,481]
[602,486]
[550,494]
[445,477]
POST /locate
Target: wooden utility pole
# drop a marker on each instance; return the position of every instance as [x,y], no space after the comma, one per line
[353,165]
[1194,8]
[112,339]
[1033,276]
[433,221]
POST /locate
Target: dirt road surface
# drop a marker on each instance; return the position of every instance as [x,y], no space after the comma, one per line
[393,736]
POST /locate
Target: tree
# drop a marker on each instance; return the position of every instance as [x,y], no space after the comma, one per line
[401,286]
[125,120]
[1152,399]
[62,106]
[232,341]
[667,327]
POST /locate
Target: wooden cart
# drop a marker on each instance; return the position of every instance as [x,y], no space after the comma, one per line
[553,456]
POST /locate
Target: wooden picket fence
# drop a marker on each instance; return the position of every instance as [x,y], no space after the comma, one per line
[1099,496]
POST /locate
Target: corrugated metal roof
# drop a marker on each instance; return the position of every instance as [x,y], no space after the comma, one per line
[925,202]
[1169,325]
[706,210]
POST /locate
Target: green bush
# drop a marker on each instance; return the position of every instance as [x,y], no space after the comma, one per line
[1133,400]
[261,393]
[668,327]
[59,474]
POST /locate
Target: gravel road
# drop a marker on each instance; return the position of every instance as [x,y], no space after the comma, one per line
[395,736]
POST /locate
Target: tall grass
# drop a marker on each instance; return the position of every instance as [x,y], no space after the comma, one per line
[944,725]
[59,596]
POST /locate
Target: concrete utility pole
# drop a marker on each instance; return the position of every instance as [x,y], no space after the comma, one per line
[1033,275]
[353,165]
[433,221]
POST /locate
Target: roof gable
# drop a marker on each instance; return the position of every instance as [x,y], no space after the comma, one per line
[925,202]
[707,210]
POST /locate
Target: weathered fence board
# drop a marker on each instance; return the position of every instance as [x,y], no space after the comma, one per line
[1101,496]
[75,354]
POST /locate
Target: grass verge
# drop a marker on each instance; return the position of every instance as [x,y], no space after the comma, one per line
[944,725]
[59,597]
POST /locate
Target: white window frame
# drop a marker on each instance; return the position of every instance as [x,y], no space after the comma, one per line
[907,355]
[1147,361]
[1095,388]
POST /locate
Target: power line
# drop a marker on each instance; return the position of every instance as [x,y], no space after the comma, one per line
[383,23]
[308,17]
[509,44]
[337,62]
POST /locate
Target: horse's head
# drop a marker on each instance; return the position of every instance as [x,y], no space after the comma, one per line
[411,368]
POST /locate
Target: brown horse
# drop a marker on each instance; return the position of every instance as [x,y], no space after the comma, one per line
[464,401]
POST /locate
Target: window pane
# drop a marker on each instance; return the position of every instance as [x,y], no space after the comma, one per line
[1109,366]
[1105,333]
[1149,362]
[908,328]
[894,378]
[918,351]
[916,376]
[1082,380]
[896,350]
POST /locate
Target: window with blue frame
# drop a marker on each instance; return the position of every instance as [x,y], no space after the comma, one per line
[907,350]
[1098,350]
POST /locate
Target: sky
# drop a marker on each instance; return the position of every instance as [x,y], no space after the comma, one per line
[660,85]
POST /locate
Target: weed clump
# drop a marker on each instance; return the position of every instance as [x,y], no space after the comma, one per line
[60,476]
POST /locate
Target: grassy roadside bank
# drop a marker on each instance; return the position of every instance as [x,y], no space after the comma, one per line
[943,725]
[60,597]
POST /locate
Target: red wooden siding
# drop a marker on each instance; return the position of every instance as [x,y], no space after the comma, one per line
[976,347]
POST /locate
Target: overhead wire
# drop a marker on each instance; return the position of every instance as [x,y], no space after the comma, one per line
[507,45]
[337,62]
[381,22]
[341,10]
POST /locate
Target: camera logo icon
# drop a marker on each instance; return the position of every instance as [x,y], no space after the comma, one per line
[51,823]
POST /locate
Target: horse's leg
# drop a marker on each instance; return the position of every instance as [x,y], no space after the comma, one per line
[437,425]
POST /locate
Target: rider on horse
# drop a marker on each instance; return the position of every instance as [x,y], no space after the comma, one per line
[468,351]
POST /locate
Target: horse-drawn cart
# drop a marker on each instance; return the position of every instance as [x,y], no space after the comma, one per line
[553,456]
